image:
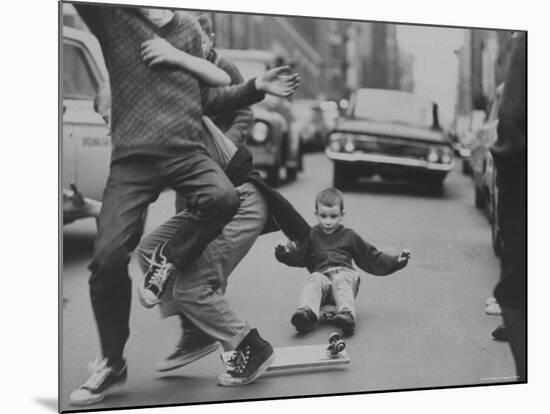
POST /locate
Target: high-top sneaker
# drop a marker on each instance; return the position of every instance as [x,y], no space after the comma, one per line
[152,286]
[249,360]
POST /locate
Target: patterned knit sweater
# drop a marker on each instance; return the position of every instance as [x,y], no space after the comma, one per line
[156,111]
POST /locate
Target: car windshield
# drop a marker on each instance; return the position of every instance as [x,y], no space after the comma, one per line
[78,79]
[392,106]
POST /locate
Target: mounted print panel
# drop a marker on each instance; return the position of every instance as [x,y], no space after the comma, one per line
[259,207]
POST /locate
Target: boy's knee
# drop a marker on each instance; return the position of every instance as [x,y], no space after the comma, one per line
[224,203]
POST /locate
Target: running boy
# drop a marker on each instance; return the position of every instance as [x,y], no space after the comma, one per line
[327,253]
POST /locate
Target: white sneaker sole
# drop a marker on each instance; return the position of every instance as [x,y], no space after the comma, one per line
[165,365]
[146,297]
[227,380]
[85,397]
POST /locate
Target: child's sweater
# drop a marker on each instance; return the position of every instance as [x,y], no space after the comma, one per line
[321,251]
[156,111]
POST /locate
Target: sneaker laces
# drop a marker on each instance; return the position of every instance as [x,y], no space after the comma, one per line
[238,360]
[159,274]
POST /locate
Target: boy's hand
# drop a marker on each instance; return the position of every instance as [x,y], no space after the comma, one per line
[287,246]
[278,82]
[404,256]
[157,51]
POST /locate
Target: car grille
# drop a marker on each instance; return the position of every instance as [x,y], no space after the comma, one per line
[391,146]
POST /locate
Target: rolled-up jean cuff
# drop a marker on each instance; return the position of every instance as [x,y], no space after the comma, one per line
[234,341]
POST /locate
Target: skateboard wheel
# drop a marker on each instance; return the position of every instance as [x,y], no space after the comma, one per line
[339,346]
[334,337]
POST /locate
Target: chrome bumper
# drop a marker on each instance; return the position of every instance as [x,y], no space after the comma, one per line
[361,157]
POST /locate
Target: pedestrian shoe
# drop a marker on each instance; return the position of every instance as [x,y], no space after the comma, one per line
[153,284]
[345,321]
[193,345]
[304,320]
[103,377]
[247,362]
[492,307]
[500,334]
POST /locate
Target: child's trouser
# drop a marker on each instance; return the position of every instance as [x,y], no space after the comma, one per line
[198,292]
[135,182]
[336,286]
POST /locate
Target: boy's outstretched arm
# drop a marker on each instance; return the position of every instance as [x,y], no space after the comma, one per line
[291,253]
[158,51]
[375,262]
[216,100]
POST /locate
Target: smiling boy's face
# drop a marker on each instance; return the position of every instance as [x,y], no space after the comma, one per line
[329,217]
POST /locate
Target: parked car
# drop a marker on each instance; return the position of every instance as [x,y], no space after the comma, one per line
[310,124]
[86,144]
[273,143]
[464,132]
[392,134]
[483,169]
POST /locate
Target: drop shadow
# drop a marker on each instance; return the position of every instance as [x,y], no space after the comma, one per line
[49,403]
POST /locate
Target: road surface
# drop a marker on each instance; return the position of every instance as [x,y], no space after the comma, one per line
[424,326]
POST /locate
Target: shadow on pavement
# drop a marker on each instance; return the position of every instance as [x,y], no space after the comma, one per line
[406,188]
[78,245]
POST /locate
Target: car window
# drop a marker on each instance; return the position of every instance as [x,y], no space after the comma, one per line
[395,107]
[79,81]
[249,68]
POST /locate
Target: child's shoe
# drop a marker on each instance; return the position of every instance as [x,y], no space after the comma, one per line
[193,345]
[103,377]
[345,321]
[152,286]
[249,360]
[304,320]
[500,333]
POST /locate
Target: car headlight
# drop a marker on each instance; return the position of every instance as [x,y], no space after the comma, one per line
[432,155]
[260,132]
[349,146]
[335,146]
[446,155]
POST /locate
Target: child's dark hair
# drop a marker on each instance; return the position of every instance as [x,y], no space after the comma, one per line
[330,197]
[206,22]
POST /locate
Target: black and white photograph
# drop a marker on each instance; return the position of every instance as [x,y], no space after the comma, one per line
[265,206]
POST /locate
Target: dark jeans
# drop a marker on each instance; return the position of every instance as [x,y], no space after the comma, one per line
[511,289]
[133,184]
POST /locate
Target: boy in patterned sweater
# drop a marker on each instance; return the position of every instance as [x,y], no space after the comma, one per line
[157,142]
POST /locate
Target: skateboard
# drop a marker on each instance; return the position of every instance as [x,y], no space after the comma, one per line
[312,356]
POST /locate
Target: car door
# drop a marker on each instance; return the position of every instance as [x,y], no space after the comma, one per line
[86,145]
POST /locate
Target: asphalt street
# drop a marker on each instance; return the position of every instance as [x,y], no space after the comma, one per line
[423,326]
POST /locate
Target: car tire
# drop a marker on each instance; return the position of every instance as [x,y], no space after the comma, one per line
[273,177]
[496,238]
[479,199]
[343,177]
[465,167]
[291,173]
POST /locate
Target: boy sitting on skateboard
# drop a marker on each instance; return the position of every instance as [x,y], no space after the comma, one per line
[327,253]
